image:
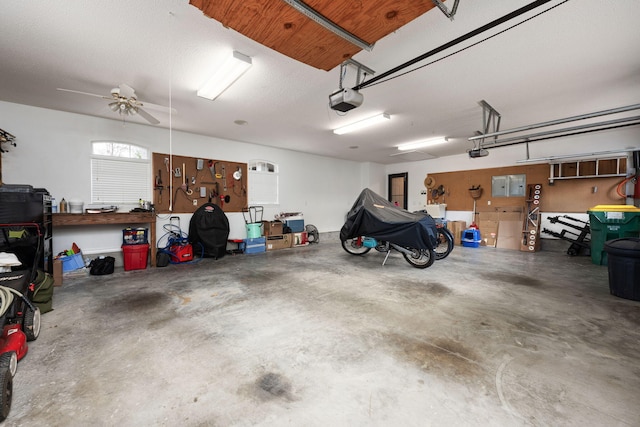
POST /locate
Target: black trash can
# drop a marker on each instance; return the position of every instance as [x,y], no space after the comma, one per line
[624,267]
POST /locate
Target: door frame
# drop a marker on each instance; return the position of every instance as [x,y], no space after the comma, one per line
[405,198]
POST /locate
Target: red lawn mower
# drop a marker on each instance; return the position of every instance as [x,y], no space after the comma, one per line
[19,317]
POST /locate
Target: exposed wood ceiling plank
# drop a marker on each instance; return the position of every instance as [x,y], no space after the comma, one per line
[275,24]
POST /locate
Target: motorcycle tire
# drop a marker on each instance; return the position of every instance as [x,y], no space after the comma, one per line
[420,258]
[445,243]
[354,246]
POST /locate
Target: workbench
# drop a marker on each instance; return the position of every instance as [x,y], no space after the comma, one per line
[111,218]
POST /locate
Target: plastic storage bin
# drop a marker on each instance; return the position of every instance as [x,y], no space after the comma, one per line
[72,262]
[608,222]
[135,257]
[254,246]
[295,224]
[135,236]
[624,267]
[471,238]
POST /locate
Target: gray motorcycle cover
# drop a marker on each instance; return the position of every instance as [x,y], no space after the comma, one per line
[374,216]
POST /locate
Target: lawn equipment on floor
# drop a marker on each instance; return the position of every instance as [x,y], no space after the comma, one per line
[19,317]
[178,249]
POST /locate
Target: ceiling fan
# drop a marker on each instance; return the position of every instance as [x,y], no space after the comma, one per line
[125,103]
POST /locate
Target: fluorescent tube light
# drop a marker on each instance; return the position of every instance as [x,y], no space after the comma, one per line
[230,71]
[422,144]
[362,124]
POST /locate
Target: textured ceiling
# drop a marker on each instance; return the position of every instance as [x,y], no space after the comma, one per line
[578,57]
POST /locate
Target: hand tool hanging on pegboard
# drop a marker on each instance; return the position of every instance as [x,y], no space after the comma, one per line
[530,241]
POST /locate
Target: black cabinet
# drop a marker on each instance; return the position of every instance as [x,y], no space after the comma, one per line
[23,204]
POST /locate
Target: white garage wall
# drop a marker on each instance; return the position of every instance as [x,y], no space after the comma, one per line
[54,148]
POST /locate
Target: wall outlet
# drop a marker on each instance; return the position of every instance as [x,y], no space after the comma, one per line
[489,202]
[195,202]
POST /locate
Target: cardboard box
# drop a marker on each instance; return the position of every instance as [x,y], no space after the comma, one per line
[272,228]
[456,228]
[282,241]
[489,232]
[510,235]
[57,272]
[501,223]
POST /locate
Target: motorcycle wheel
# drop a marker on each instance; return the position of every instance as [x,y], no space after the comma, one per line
[354,246]
[445,243]
[420,258]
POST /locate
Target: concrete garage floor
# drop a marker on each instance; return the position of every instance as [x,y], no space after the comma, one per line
[313,336]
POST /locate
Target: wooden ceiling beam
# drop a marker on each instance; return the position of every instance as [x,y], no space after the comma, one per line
[275,24]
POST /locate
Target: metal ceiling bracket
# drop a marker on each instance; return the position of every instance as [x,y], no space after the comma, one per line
[312,14]
[444,9]
[362,70]
[490,121]
[480,140]
[559,121]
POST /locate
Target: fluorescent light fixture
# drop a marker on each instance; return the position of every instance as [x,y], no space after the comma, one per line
[230,71]
[362,124]
[422,144]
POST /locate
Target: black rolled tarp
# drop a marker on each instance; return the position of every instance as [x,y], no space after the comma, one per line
[209,231]
[374,216]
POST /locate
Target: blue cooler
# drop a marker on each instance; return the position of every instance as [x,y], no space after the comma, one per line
[295,223]
[471,238]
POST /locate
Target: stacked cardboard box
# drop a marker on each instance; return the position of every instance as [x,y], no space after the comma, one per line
[282,241]
[272,228]
[501,228]
[275,238]
[457,228]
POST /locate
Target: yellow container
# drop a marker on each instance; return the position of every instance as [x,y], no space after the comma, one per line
[615,208]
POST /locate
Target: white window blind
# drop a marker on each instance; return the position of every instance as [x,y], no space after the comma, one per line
[119,180]
[263,183]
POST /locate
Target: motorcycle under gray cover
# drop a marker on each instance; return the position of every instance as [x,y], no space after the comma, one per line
[374,216]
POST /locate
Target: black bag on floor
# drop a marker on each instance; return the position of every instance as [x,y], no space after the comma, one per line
[102,265]
[209,231]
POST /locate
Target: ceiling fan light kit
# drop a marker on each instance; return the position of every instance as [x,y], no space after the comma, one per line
[362,124]
[422,144]
[125,103]
[230,71]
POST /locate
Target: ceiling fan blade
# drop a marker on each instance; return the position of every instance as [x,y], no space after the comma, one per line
[85,93]
[156,107]
[148,117]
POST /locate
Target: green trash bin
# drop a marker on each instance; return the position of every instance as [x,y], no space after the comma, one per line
[608,222]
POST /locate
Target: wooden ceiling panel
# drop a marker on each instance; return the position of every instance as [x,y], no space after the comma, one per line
[275,24]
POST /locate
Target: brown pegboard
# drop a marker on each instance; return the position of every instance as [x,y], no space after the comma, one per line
[216,177]
[571,195]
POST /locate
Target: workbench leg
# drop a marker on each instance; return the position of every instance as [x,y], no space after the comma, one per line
[152,241]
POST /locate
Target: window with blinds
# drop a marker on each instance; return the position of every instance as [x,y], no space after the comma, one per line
[263,183]
[120,173]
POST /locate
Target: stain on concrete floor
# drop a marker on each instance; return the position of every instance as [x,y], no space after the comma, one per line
[314,336]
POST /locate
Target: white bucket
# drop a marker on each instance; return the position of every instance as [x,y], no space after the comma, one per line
[76,206]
